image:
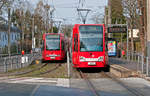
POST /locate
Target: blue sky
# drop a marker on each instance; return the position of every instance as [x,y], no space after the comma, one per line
[67,9]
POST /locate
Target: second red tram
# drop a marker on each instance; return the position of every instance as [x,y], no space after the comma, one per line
[53,47]
[88,45]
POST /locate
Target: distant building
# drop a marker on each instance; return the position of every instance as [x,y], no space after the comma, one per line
[15,36]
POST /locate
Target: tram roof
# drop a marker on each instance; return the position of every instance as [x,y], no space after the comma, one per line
[77,25]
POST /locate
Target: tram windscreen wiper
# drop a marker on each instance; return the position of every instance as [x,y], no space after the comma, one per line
[52,49]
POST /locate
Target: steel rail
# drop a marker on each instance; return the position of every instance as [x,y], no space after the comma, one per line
[131,90]
[17,74]
[25,72]
[34,70]
[89,83]
[48,71]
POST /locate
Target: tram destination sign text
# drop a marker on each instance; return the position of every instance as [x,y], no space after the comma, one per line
[117,29]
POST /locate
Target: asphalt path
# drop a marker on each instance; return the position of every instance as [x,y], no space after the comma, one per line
[78,87]
[7,89]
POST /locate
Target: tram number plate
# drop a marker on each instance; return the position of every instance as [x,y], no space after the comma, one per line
[52,57]
[91,63]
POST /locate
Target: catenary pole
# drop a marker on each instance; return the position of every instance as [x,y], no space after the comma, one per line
[9,29]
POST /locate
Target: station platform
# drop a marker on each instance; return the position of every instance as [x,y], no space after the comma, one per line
[124,63]
[124,68]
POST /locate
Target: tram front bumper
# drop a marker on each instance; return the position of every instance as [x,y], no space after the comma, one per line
[90,64]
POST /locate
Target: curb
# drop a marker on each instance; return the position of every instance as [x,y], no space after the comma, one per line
[122,72]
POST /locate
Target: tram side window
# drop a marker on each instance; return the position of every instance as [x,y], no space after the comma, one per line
[76,42]
[42,45]
[62,44]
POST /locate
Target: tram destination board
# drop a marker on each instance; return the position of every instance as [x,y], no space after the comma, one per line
[117,29]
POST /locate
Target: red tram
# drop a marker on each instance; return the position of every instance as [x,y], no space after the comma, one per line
[53,47]
[88,45]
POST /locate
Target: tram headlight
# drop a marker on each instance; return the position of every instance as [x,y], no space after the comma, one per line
[47,56]
[82,59]
[101,58]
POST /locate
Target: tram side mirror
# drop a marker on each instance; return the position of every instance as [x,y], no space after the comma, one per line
[106,47]
[42,46]
[106,44]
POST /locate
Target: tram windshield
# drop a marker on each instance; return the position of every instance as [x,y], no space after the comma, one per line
[91,38]
[52,42]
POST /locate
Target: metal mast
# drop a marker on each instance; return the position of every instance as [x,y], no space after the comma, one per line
[83,11]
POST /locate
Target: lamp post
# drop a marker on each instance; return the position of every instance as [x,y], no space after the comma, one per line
[51,16]
[9,26]
[148,28]
[33,43]
[127,41]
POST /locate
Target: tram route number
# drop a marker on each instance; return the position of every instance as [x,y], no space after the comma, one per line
[91,63]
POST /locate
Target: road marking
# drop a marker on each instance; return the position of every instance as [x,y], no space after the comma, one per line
[35,89]
[63,82]
[28,80]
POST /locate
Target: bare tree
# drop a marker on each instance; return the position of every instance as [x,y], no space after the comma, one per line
[4,4]
[22,18]
[117,12]
[142,25]
[131,13]
[44,11]
[97,18]
[136,15]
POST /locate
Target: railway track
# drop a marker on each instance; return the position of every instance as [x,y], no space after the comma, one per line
[13,76]
[25,72]
[47,71]
[133,92]
[89,83]
[95,92]
[92,73]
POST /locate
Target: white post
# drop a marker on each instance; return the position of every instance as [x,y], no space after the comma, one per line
[127,43]
[142,64]
[68,64]
[5,65]
[138,62]
[11,61]
[147,69]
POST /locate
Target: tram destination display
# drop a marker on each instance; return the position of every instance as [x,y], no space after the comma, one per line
[117,29]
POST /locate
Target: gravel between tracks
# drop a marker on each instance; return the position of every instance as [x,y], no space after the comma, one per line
[91,73]
[51,70]
[47,70]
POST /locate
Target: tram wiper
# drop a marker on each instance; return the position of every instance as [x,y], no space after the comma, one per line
[52,49]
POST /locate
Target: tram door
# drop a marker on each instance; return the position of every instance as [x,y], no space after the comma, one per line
[75,49]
